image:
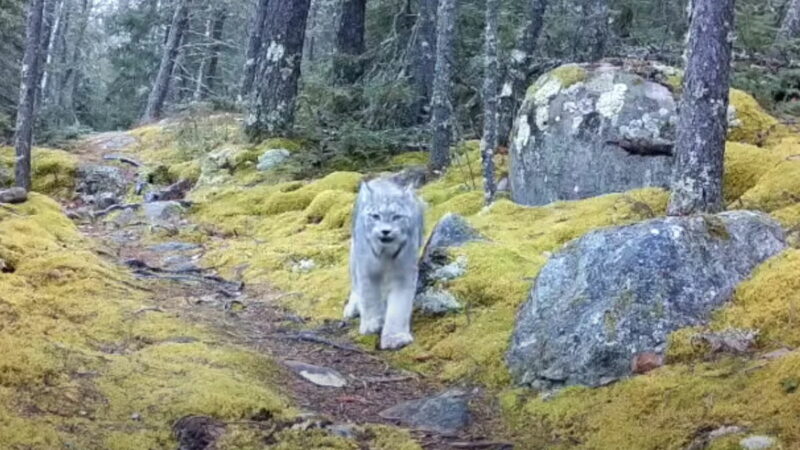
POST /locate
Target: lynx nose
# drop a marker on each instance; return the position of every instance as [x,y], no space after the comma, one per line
[386,232]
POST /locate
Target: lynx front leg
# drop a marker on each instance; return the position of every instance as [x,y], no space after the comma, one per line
[371,307]
[397,328]
[351,309]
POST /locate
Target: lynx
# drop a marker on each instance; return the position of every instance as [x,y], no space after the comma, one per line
[387,234]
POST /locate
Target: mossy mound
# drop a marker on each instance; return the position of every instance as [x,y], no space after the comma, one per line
[752,125]
[53,171]
[83,352]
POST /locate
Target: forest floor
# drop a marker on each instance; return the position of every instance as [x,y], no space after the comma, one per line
[250,316]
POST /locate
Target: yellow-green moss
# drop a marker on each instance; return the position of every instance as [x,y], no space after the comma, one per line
[780,186]
[744,165]
[53,171]
[82,351]
[569,74]
[409,159]
[189,170]
[390,438]
[754,125]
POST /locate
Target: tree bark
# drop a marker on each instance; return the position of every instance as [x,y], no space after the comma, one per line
[271,108]
[350,41]
[49,18]
[158,95]
[595,29]
[217,31]
[254,45]
[441,99]
[517,77]
[26,109]
[490,77]
[72,75]
[423,58]
[56,51]
[790,26]
[702,122]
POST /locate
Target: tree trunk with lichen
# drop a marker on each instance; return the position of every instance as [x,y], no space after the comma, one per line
[594,29]
[271,107]
[490,88]
[350,46]
[207,72]
[703,117]
[790,26]
[441,99]
[422,58]
[158,95]
[254,44]
[517,76]
[26,110]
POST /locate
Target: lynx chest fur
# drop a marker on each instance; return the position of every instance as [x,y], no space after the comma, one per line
[386,238]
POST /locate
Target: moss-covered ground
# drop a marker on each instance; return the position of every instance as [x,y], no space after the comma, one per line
[270,228]
[264,226]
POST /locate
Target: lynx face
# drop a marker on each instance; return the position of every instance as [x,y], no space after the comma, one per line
[388,225]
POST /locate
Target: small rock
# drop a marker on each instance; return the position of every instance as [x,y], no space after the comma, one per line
[272,159]
[415,177]
[645,362]
[162,211]
[321,376]
[175,191]
[777,354]
[729,341]
[95,179]
[304,266]
[105,199]
[136,416]
[757,443]
[503,185]
[451,271]
[435,301]
[347,431]
[446,413]
[167,247]
[197,432]
[179,263]
[724,431]
[13,195]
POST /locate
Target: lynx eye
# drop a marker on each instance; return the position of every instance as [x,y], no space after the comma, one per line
[374,216]
[397,217]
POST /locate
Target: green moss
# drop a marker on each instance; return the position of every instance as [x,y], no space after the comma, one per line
[279,143]
[390,438]
[189,170]
[410,159]
[52,171]
[569,74]
[80,356]
[753,124]
[744,165]
[779,187]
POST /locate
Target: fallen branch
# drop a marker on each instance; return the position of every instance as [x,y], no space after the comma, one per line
[488,444]
[122,159]
[643,147]
[113,208]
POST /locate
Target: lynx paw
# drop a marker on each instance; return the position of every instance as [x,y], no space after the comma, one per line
[351,311]
[395,341]
[367,327]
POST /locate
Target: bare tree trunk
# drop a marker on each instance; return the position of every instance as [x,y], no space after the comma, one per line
[55,49]
[702,122]
[350,41]
[48,22]
[441,99]
[271,108]
[790,27]
[158,95]
[199,86]
[254,45]
[26,109]
[422,58]
[217,31]
[490,76]
[595,29]
[72,74]
[517,77]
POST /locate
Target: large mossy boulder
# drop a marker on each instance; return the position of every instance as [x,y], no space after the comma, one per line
[592,129]
[616,294]
[587,130]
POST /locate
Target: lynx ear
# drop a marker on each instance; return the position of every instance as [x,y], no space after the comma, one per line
[367,188]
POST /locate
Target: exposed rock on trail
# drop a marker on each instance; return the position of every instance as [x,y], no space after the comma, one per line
[616,293]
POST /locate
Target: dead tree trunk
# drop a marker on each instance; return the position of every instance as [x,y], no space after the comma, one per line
[702,122]
[49,17]
[350,41]
[790,26]
[72,75]
[254,45]
[26,109]
[441,99]
[490,76]
[271,108]
[422,59]
[217,31]
[158,95]
[517,76]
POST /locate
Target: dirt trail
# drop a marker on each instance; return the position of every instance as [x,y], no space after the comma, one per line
[250,316]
